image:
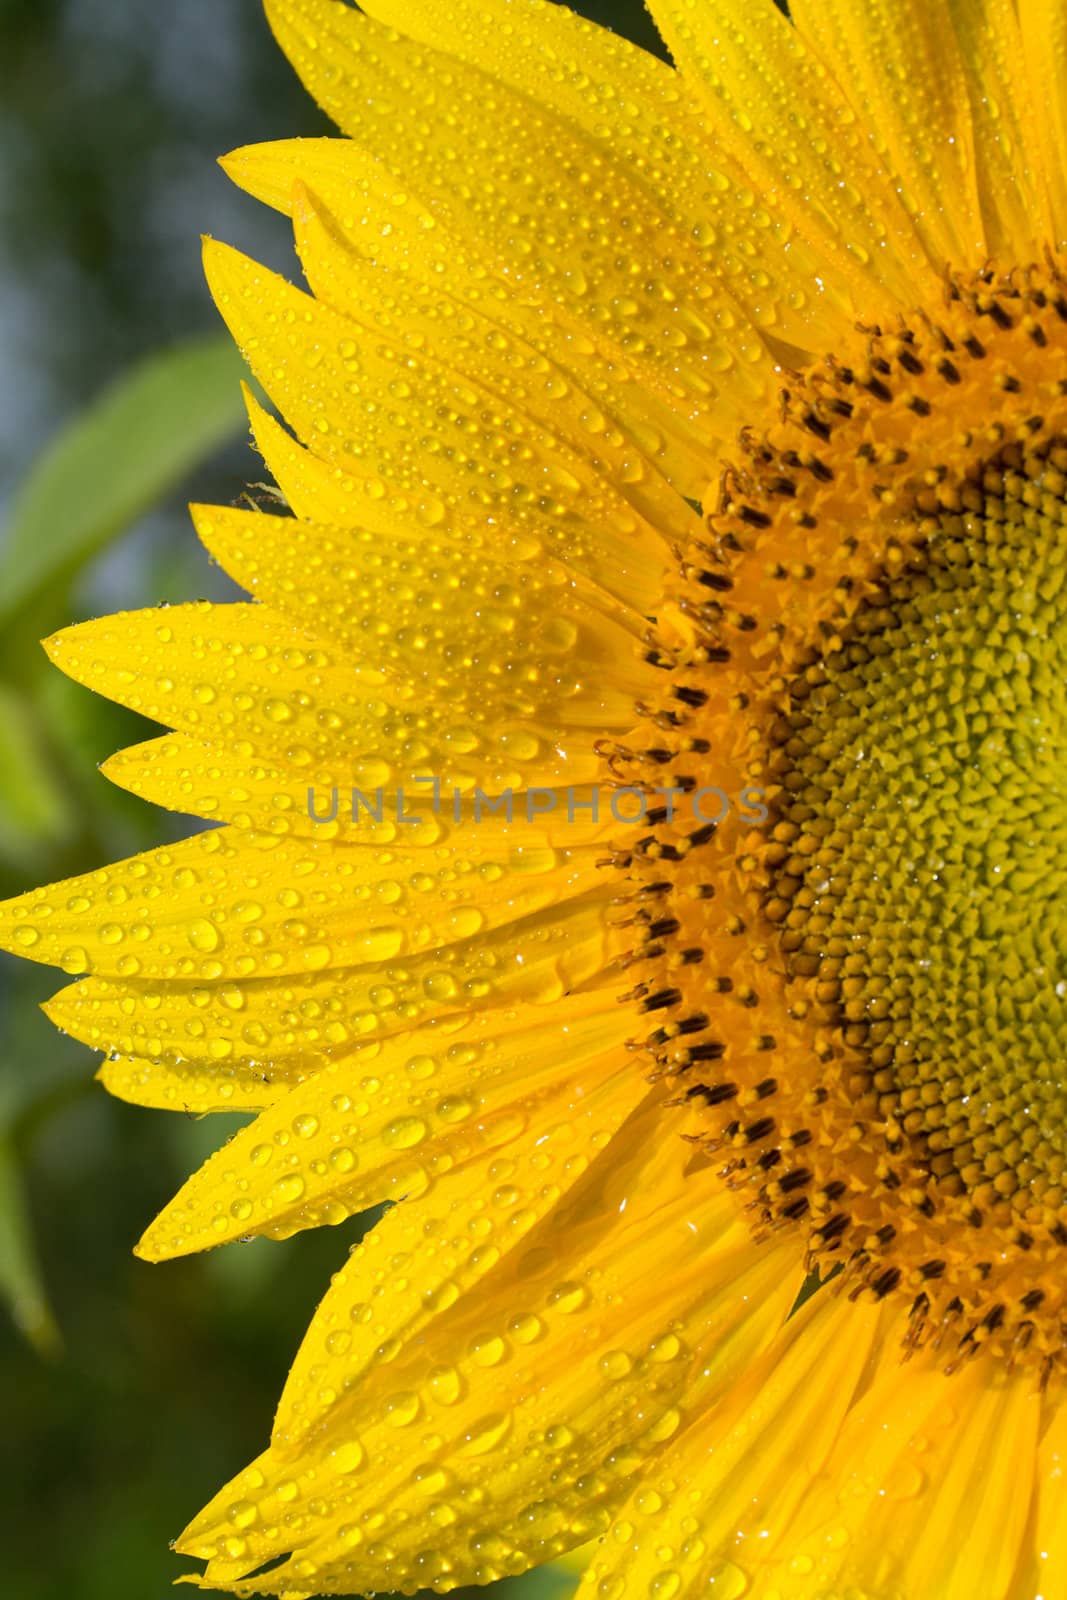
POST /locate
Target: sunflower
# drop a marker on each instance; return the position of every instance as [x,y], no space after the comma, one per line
[702,434]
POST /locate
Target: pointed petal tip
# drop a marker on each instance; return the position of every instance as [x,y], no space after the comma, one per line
[163,1239]
[52,645]
[212,250]
[23,933]
[110,766]
[304,208]
[234,160]
[10,926]
[200,1580]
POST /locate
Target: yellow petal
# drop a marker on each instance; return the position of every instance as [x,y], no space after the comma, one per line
[417,248]
[1011,179]
[554,211]
[771,103]
[320,491]
[900,66]
[419,606]
[368,404]
[391,1124]
[423,317]
[229,904]
[181,773]
[427,1468]
[284,1022]
[194,1087]
[733,1478]
[1044,26]
[1046,1571]
[229,784]
[634,106]
[921,1455]
[471,1231]
[253,677]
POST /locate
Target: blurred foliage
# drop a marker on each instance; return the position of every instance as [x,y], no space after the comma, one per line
[130,1392]
[119,457]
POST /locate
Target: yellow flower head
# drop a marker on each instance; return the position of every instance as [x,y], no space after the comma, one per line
[641,777]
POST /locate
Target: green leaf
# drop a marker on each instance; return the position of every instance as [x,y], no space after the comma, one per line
[118,459]
[35,809]
[556,1580]
[20,1278]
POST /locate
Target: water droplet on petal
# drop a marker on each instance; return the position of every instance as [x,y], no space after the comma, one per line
[348,1457]
[203,935]
[404,1133]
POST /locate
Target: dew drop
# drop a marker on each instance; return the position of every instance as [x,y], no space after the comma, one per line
[616,1364]
[486,1434]
[665,1585]
[488,1351]
[402,1409]
[404,1133]
[665,1349]
[290,1188]
[348,1457]
[440,986]
[203,935]
[446,1385]
[730,1583]
[243,1513]
[526,1327]
[568,1298]
[74,960]
[455,1109]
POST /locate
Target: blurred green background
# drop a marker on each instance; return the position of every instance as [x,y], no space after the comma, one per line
[129,1392]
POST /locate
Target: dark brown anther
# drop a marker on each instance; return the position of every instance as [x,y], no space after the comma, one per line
[817,426]
[761,1129]
[875,387]
[689,695]
[661,1000]
[710,1050]
[994,310]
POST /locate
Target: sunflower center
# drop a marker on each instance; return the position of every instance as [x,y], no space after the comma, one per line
[925,794]
[866,998]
